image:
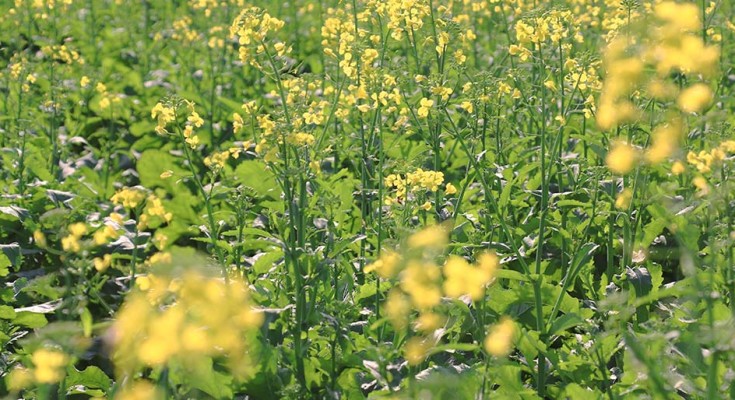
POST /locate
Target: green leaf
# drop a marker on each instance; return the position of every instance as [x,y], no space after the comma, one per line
[152,163]
[253,174]
[7,312]
[511,274]
[4,264]
[265,262]
[30,319]
[204,377]
[565,322]
[91,378]
[571,203]
[86,319]
[583,256]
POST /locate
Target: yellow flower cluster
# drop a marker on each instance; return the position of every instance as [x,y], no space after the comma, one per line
[622,158]
[131,198]
[301,139]
[184,319]
[422,284]
[183,31]
[404,16]
[250,28]
[704,161]
[48,365]
[553,26]
[424,107]
[139,390]
[338,42]
[216,161]
[71,241]
[63,53]
[499,340]
[405,187]
[672,44]
[164,115]
[106,98]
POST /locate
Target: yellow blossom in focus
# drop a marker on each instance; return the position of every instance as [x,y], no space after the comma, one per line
[424,107]
[164,115]
[129,197]
[450,189]
[467,106]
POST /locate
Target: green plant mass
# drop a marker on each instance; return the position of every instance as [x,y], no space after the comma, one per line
[367,199]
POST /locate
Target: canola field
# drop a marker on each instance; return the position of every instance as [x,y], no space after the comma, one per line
[383,199]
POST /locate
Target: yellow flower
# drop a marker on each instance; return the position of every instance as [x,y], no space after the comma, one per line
[203,317]
[499,341]
[48,365]
[429,321]
[139,390]
[695,98]
[39,238]
[450,189]
[678,168]
[101,264]
[164,116]
[128,197]
[386,266]
[397,308]
[488,262]
[665,141]
[701,184]
[622,158]
[432,237]
[78,229]
[416,350]
[623,200]
[19,379]
[424,107]
[103,235]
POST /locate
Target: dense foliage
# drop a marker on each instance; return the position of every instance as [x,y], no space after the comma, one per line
[363,198]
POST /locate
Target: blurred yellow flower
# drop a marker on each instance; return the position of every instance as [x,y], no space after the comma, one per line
[499,341]
[695,98]
[622,158]
[48,365]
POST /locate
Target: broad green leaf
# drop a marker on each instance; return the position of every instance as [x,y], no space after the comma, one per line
[30,319]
